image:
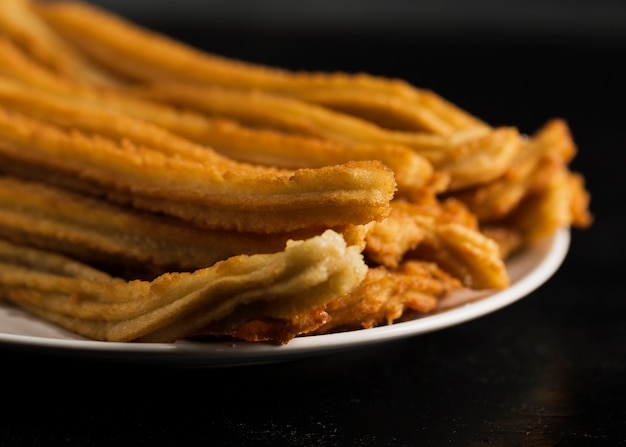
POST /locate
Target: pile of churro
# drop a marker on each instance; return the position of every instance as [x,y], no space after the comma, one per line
[151,191]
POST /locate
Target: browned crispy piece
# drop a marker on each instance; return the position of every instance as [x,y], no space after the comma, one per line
[444,211]
[548,151]
[409,225]
[145,55]
[448,237]
[384,297]
[224,195]
[301,278]
[562,203]
[468,255]
[278,330]
[389,241]
[536,196]
[20,23]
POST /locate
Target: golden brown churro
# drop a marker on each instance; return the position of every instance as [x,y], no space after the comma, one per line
[546,152]
[126,241]
[303,277]
[221,196]
[469,157]
[449,239]
[412,171]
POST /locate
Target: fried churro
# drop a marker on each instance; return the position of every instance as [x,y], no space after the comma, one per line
[469,157]
[121,240]
[224,195]
[412,172]
[547,151]
[304,276]
[453,242]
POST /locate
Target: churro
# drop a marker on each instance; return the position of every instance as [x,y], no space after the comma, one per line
[145,55]
[304,276]
[225,195]
[121,240]
[253,146]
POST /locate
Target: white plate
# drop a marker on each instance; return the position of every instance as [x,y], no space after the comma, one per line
[528,271]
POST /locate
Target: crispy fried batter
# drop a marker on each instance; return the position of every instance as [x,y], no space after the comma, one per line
[383,297]
[448,238]
[545,153]
[561,203]
[280,330]
[386,295]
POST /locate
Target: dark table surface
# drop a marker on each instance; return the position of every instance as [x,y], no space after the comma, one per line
[548,370]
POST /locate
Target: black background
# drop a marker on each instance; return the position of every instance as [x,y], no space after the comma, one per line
[549,370]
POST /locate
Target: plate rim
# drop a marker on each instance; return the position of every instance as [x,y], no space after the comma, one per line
[552,253]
